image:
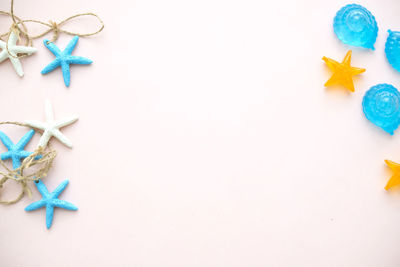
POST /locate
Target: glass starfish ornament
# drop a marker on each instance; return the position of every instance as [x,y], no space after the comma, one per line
[342,72]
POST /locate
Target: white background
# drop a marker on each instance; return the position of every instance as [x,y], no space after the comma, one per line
[206,138]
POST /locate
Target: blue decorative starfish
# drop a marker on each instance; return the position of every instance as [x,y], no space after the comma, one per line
[50,200]
[64,59]
[16,152]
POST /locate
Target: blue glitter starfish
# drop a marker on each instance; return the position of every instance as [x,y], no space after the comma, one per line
[50,200]
[16,152]
[64,59]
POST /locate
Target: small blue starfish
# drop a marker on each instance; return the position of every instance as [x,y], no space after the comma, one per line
[50,200]
[64,59]
[16,152]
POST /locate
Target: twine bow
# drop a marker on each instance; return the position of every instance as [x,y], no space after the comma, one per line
[53,26]
[56,27]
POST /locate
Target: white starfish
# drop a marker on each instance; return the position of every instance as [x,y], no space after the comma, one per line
[51,127]
[13,51]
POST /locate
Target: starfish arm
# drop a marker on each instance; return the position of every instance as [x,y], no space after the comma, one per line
[24,154]
[332,81]
[66,73]
[42,189]
[16,161]
[395,167]
[71,45]
[51,66]
[3,55]
[356,71]
[25,139]
[393,181]
[6,155]
[45,138]
[36,124]
[17,65]
[36,205]
[79,60]
[349,84]
[49,215]
[332,64]
[66,121]
[6,141]
[64,204]
[59,189]
[347,58]
[24,49]
[12,39]
[52,47]
[62,138]
[48,111]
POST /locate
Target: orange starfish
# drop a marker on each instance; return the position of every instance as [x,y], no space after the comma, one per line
[342,72]
[395,179]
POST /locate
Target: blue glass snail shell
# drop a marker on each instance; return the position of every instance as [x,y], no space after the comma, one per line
[381,105]
[355,25]
[392,49]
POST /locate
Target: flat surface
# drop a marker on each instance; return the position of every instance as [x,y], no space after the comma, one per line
[206,138]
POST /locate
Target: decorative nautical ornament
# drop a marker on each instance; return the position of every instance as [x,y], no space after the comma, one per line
[381,105]
[64,59]
[51,127]
[355,25]
[50,201]
[10,50]
[342,72]
[392,49]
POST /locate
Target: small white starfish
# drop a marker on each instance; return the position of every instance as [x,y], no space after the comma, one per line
[13,51]
[51,127]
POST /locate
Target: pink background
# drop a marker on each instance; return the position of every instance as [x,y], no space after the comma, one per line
[206,138]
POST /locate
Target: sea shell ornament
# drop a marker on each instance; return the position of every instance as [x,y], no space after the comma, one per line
[355,25]
[392,49]
[381,105]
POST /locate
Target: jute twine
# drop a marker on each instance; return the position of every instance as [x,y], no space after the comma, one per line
[52,27]
[24,173]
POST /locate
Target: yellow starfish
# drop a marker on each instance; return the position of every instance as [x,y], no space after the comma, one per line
[342,72]
[395,179]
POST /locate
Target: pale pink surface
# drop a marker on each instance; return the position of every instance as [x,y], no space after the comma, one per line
[206,138]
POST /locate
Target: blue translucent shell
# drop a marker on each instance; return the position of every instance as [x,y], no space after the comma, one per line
[381,105]
[355,25]
[392,49]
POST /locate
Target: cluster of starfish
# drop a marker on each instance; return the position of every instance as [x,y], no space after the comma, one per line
[63,59]
[16,152]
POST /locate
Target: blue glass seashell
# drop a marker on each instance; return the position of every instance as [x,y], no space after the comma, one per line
[381,105]
[355,25]
[392,49]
